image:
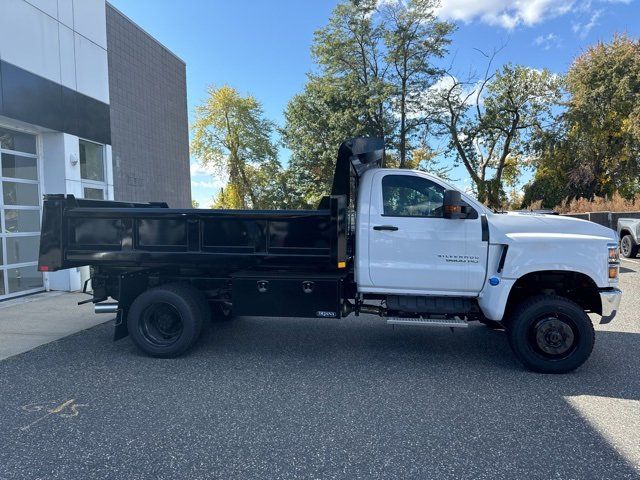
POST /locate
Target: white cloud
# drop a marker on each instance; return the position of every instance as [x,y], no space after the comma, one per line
[583,29]
[466,92]
[443,83]
[548,41]
[205,177]
[505,13]
[205,184]
[198,169]
[510,14]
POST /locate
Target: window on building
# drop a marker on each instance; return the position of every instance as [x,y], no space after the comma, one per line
[91,161]
[94,193]
[17,141]
[411,196]
[92,170]
[19,214]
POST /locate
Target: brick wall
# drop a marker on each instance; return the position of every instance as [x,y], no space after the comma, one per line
[149,123]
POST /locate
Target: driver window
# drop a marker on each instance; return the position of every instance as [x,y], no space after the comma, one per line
[411,196]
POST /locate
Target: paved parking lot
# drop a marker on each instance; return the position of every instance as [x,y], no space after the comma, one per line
[285,398]
[34,320]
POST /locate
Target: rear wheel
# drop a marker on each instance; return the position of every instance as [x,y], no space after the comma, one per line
[628,247]
[551,334]
[166,321]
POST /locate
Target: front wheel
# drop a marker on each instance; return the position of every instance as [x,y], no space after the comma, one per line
[551,334]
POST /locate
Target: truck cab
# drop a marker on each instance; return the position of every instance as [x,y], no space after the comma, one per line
[407,245]
[401,244]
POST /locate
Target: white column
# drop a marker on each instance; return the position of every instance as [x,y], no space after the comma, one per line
[61,174]
[108,159]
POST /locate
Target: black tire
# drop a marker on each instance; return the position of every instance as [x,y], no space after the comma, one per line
[166,321]
[550,334]
[628,247]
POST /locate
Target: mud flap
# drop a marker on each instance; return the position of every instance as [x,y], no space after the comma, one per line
[131,285]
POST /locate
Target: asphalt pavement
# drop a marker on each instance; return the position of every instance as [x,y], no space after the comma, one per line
[298,398]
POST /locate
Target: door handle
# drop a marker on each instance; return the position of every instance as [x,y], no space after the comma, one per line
[385,227]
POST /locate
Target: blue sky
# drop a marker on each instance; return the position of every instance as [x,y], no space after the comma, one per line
[261,47]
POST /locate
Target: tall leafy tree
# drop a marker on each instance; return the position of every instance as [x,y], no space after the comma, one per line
[374,59]
[489,124]
[348,52]
[594,150]
[231,134]
[317,121]
[413,39]
[603,118]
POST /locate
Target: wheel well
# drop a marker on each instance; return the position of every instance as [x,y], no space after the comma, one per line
[625,231]
[572,285]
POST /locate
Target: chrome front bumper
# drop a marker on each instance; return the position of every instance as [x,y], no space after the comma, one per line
[610,300]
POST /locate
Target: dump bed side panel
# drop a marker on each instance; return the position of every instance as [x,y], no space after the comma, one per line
[75,235]
[55,230]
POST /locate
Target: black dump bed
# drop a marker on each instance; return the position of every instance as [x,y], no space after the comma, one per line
[77,232]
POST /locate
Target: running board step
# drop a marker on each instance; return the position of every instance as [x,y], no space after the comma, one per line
[428,322]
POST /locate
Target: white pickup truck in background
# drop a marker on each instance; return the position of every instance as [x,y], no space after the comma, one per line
[629,232]
[419,253]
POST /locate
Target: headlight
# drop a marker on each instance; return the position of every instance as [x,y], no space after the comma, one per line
[614,253]
[614,260]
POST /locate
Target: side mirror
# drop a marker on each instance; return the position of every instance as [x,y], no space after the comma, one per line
[452,207]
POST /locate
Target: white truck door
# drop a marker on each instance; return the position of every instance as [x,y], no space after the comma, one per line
[412,248]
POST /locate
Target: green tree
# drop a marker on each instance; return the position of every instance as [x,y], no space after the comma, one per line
[348,53]
[489,124]
[231,134]
[374,63]
[413,38]
[603,118]
[317,121]
[594,150]
[195,204]
[552,159]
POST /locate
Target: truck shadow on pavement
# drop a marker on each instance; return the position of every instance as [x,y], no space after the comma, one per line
[353,398]
[466,381]
[615,361]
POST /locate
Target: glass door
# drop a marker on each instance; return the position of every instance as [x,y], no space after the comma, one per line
[19,214]
[92,170]
[94,185]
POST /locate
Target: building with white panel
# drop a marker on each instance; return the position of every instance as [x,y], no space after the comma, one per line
[69,123]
